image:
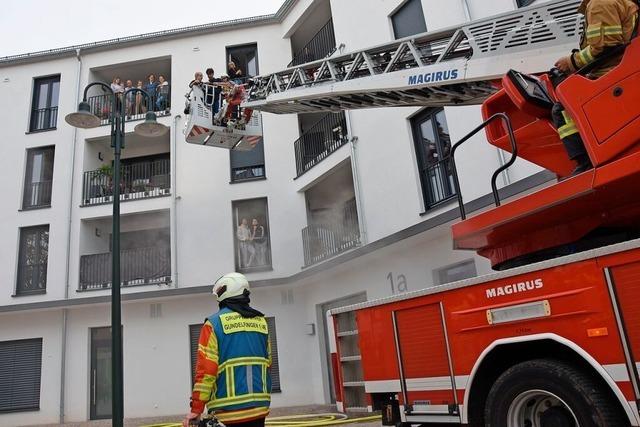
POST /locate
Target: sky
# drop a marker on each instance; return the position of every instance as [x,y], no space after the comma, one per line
[34,25]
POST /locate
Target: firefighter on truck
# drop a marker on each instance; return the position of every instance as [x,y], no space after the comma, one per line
[610,24]
[234,357]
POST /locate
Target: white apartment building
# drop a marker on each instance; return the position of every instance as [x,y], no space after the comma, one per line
[353,206]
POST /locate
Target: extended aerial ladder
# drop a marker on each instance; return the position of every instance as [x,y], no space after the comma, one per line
[466,65]
[452,66]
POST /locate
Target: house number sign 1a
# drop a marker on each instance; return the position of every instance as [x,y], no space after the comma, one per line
[399,285]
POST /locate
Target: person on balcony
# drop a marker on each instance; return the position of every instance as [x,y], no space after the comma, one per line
[232,378]
[118,90]
[197,80]
[245,248]
[259,241]
[140,107]
[234,73]
[129,98]
[609,24]
[151,87]
[215,95]
[162,103]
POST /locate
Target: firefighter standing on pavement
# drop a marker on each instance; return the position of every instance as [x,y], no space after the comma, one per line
[234,357]
[609,24]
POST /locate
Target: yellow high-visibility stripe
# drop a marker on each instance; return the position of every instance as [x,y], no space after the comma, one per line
[567,130]
[264,379]
[585,55]
[225,416]
[238,361]
[231,381]
[237,400]
[227,382]
[612,28]
[202,388]
[594,31]
[211,354]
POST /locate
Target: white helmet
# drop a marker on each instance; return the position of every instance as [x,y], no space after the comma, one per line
[230,285]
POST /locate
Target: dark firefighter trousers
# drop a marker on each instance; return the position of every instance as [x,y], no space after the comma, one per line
[568,132]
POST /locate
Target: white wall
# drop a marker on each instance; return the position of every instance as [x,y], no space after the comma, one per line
[16,85]
[48,326]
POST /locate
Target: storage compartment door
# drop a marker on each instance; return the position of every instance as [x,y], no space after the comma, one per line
[426,378]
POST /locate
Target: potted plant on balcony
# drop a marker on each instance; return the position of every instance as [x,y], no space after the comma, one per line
[104,178]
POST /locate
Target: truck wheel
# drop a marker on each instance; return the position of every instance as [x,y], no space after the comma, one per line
[549,393]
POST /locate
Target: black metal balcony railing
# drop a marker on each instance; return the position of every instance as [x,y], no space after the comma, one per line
[438,182]
[37,195]
[136,105]
[138,267]
[43,119]
[322,139]
[321,45]
[138,181]
[321,242]
[247,173]
[32,279]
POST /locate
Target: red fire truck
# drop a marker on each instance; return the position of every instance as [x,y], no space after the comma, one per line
[553,337]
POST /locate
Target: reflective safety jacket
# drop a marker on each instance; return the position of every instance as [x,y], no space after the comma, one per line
[609,23]
[232,369]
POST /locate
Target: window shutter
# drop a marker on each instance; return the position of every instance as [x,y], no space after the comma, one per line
[20,372]
[275,365]
[194,335]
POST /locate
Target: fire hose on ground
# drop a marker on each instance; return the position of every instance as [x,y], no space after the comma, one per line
[308,420]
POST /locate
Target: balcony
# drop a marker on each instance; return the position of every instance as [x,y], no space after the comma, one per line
[138,267]
[136,105]
[323,241]
[320,140]
[43,119]
[37,195]
[321,45]
[437,183]
[139,180]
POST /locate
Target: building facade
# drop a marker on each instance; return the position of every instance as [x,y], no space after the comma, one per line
[329,209]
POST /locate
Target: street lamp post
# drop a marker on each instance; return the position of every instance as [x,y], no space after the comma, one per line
[84,119]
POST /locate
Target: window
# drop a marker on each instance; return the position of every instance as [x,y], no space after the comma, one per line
[433,146]
[194,335]
[248,165]
[44,108]
[20,369]
[246,59]
[453,273]
[251,228]
[38,178]
[524,3]
[408,19]
[32,260]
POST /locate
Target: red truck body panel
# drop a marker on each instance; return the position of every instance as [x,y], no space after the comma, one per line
[421,347]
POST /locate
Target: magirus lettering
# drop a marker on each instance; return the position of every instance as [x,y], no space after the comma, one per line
[527,285]
[437,76]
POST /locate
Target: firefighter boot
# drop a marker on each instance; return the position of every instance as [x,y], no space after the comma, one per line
[584,164]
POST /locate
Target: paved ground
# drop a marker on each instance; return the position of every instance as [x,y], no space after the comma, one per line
[138,422]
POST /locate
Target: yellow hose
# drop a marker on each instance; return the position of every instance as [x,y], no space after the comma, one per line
[309,420]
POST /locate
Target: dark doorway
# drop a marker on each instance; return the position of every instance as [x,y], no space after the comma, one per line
[100,382]
[322,314]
